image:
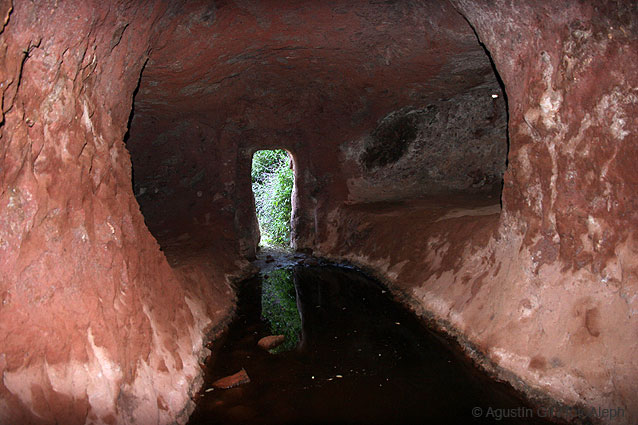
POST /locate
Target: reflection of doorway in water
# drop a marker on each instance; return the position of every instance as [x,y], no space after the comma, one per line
[362,358]
[272,182]
[279,308]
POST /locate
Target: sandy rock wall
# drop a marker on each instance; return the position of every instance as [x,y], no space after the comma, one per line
[570,193]
[543,292]
[305,76]
[95,327]
[453,145]
[188,191]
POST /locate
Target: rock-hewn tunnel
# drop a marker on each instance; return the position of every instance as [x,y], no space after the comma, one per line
[477,156]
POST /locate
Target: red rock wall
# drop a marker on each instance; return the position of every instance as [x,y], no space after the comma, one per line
[543,293]
[305,76]
[570,191]
[456,145]
[95,327]
[189,191]
[560,251]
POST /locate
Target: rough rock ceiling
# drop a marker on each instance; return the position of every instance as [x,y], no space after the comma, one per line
[275,71]
[226,78]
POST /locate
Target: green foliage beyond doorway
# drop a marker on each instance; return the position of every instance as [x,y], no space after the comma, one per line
[272,180]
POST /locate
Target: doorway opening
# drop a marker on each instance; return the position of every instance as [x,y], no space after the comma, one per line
[273,178]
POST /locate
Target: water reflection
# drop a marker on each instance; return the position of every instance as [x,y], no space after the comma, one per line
[279,308]
[354,356]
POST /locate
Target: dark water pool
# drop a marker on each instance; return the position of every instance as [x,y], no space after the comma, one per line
[352,356]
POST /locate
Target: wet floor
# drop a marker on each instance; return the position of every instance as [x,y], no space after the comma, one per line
[351,356]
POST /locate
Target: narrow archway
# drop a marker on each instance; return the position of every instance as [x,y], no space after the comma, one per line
[272,178]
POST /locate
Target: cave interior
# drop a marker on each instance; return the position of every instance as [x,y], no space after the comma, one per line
[477,157]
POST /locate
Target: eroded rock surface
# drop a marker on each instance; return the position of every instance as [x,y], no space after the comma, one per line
[398,147]
[95,325]
[457,145]
[542,291]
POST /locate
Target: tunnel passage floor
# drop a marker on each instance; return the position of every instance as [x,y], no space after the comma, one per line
[361,358]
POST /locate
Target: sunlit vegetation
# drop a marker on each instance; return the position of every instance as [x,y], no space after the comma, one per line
[272,180]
